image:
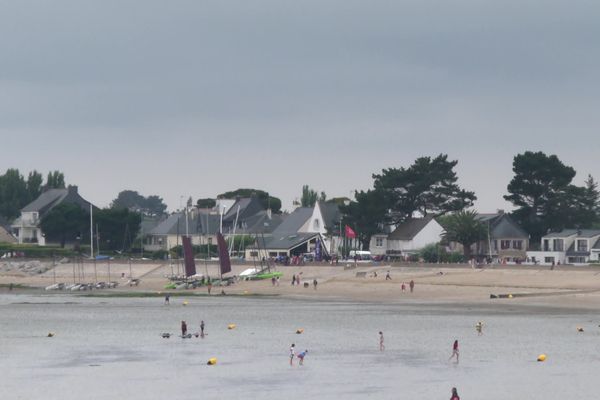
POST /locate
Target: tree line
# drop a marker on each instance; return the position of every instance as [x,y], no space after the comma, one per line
[541,190]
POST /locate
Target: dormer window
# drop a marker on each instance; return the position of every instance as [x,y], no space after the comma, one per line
[582,245]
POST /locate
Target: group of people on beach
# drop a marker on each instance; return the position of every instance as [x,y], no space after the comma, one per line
[184,330]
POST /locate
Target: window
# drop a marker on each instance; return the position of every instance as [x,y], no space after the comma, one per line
[517,244]
[558,245]
[577,260]
[505,244]
[316,224]
[546,245]
[254,254]
[379,242]
[582,245]
[548,260]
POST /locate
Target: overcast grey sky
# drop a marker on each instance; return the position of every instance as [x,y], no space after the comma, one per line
[194,98]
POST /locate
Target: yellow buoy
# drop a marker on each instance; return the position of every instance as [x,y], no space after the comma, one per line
[299,331]
[50,334]
[541,358]
[510,296]
[231,326]
[185,303]
[579,329]
[211,361]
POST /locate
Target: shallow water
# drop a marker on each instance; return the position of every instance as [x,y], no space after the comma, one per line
[112,349]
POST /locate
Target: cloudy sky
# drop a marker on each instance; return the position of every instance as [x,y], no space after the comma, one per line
[193,98]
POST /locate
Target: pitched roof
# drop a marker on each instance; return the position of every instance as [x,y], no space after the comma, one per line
[196,224]
[409,229]
[248,206]
[53,197]
[262,222]
[583,233]
[287,242]
[331,214]
[502,225]
[294,221]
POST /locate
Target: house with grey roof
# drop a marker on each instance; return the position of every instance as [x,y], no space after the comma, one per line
[27,227]
[297,234]
[569,246]
[505,240]
[407,238]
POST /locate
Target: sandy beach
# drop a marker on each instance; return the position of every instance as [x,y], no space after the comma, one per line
[573,287]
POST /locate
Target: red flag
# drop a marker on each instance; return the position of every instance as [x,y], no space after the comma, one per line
[350,233]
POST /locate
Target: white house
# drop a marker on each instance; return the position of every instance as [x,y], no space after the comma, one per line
[408,237]
[325,220]
[570,246]
[27,226]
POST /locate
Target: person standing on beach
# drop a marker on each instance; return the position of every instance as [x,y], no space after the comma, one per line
[293,279]
[411,285]
[388,277]
[183,328]
[454,351]
[202,328]
[292,349]
[315,283]
[403,286]
[381,345]
[454,394]
[209,286]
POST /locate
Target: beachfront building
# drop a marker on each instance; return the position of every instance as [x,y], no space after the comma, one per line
[297,234]
[505,241]
[407,238]
[325,220]
[570,246]
[26,227]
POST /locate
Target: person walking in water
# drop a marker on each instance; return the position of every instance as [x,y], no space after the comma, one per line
[454,394]
[167,298]
[479,328]
[381,345]
[292,349]
[202,328]
[454,351]
[183,328]
[411,285]
[301,357]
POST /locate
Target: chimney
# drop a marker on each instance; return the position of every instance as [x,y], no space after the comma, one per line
[72,189]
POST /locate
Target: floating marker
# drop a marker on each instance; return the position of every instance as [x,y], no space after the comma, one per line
[211,361]
[541,358]
[299,331]
[185,302]
[231,326]
[50,334]
[510,296]
[579,329]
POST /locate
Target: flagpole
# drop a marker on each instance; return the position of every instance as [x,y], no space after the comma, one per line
[91,231]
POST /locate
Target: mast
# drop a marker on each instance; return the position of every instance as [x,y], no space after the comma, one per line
[91,231]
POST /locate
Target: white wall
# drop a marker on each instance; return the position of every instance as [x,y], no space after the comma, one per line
[431,233]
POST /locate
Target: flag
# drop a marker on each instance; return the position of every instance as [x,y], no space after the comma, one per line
[350,233]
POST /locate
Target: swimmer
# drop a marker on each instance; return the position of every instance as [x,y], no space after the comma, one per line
[454,351]
[202,328]
[301,357]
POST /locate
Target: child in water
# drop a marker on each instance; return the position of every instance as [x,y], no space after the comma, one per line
[301,357]
[454,394]
[381,345]
[454,351]
[292,348]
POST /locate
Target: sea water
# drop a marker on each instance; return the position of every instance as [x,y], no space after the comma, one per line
[111,348]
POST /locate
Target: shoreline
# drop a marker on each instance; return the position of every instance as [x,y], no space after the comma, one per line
[435,284]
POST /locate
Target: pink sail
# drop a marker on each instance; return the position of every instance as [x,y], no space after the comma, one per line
[188,256]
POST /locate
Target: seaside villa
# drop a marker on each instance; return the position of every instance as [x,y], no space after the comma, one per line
[570,246]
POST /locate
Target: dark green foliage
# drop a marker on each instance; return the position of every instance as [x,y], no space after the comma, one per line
[267,201]
[152,205]
[65,222]
[463,227]
[546,200]
[117,228]
[309,197]
[206,203]
[428,186]
[365,215]
[55,180]
[13,194]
